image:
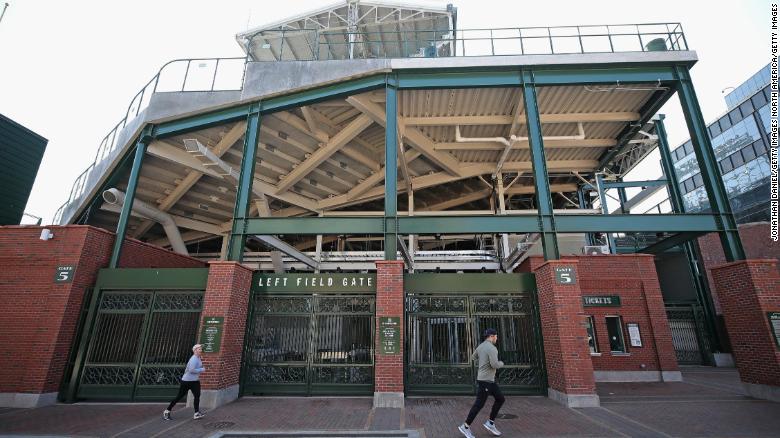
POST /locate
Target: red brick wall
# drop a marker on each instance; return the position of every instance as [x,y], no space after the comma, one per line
[748,289]
[43,313]
[389,368]
[633,278]
[137,254]
[227,295]
[569,369]
[755,240]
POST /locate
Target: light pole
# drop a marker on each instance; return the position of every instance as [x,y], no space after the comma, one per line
[5,6]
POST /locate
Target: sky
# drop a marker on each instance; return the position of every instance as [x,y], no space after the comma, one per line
[68,69]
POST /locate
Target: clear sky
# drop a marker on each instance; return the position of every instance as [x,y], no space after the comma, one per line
[68,69]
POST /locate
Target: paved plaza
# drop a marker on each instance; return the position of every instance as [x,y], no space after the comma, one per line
[709,403]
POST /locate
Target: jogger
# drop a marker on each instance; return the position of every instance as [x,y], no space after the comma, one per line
[487,353]
[190,381]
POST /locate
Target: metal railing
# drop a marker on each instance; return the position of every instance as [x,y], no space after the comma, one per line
[324,45]
[179,75]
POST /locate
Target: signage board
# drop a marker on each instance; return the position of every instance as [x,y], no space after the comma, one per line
[314,282]
[389,335]
[565,275]
[633,334]
[64,274]
[774,325]
[601,300]
[211,333]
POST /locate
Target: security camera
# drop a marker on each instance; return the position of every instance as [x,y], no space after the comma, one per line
[46,234]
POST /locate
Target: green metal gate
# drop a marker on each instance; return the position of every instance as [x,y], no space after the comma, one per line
[443,329]
[140,344]
[310,344]
[686,323]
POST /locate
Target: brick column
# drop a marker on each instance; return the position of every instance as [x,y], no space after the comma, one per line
[656,311]
[227,295]
[569,368]
[748,290]
[389,368]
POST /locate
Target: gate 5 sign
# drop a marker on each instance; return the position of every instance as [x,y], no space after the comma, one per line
[565,275]
[389,335]
[64,274]
[211,333]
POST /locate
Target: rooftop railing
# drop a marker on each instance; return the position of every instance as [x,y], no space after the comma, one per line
[314,44]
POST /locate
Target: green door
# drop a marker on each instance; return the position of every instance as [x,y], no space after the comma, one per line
[140,344]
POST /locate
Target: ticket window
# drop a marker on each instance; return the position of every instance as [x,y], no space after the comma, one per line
[593,343]
[617,342]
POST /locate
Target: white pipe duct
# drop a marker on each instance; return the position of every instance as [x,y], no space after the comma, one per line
[117,197]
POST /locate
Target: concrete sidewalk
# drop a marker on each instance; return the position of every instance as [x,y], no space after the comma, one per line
[710,403]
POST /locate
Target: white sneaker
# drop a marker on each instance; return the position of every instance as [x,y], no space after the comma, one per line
[491,427]
[465,431]
[166,415]
[197,416]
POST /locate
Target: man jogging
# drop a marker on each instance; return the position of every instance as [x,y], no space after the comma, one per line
[190,381]
[487,353]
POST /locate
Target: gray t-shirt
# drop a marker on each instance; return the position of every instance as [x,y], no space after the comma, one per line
[487,353]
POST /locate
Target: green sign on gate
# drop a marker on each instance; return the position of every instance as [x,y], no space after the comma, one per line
[601,300]
[211,334]
[774,324]
[389,334]
[297,283]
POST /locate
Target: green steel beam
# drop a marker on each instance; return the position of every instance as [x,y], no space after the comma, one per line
[623,199]
[667,164]
[539,165]
[244,190]
[201,121]
[604,208]
[476,224]
[708,164]
[669,243]
[585,203]
[391,170]
[316,225]
[623,184]
[319,94]
[156,278]
[132,184]
[610,75]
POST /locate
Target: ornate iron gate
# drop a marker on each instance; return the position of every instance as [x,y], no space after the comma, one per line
[140,344]
[443,331]
[310,344]
[686,324]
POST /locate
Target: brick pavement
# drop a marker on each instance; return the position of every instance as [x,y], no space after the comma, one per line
[710,405]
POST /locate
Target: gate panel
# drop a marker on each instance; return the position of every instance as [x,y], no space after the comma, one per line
[687,335]
[140,344]
[310,345]
[443,331]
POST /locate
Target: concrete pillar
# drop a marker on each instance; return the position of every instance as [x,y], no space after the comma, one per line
[227,296]
[389,368]
[569,367]
[749,290]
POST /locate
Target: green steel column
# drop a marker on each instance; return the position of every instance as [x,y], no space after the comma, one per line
[539,162]
[132,184]
[678,206]
[583,205]
[708,164]
[244,190]
[623,199]
[391,170]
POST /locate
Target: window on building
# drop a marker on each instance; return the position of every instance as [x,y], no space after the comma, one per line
[593,343]
[688,148]
[758,145]
[758,100]
[726,166]
[737,159]
[615,331]
[725,123]
[748,153]
[689,185]
[714,130]
[735,116]
[698,181]
[746,108]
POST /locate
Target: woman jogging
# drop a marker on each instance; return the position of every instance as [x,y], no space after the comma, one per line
[190,381]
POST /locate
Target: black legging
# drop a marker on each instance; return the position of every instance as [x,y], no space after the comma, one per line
[483,390]
[183,388]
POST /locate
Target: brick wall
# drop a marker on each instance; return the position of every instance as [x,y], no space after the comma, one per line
[43,313]
[633,278]
[748,290]
[227,295]
[755,240]
[569,369]
[389,368]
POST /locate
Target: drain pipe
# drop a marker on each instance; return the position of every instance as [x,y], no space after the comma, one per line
[117,197]
[512,140]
